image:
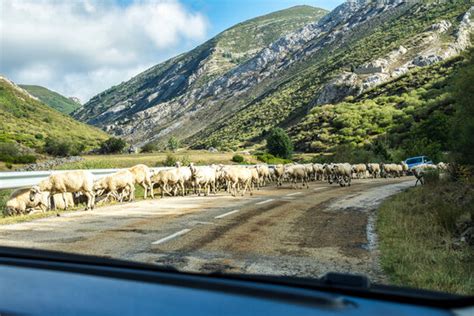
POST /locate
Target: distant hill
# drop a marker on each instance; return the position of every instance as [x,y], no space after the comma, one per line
[27,121]
[53,99]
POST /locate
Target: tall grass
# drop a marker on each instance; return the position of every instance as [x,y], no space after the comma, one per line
[419,237]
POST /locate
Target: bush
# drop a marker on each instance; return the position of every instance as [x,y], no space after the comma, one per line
[279,144]
[238,158]
[270,159]
[55,147]
[112,145]
[170,161]
[10,153]
[173,143]
[149,148]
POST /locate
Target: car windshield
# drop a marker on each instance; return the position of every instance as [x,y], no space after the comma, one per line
[414,160]
[257,137]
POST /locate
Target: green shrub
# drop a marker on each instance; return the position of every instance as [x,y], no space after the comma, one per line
[56,147]
[149,148]
[170,160]
[173,143]
[270,159]
[112,145]
[279,144]
[238,158]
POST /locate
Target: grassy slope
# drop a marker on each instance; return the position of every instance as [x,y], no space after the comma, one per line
[287,100]
[29,122]
[396,108]
[51,98]
[416,231]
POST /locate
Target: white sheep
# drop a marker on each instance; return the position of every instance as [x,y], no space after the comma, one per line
[19,202]
[70,181]
[296,173]
[342,173]
[203,177]
[118,185]
[374,169]
[142,175]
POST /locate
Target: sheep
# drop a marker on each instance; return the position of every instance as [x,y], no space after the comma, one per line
[205,177]
[405,168]
[420,170]
[237,177]
[328,173]
[318,171]
[279,171]
[70,181]
[295,173]
[309,171]
[58,201]
[118,185]
[19,202]
[263,173]
[255,177]
[169,178]
[342,172]
[374,169]
[442,166]
[391,169]
[142,175]
[359,170]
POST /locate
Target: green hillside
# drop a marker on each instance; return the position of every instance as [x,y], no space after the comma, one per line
[410,114]
[287,99]
[51,98]
[29,122]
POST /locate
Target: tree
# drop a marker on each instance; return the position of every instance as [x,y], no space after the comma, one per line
[279,144]
[173,143]
[112,145]
[462,132]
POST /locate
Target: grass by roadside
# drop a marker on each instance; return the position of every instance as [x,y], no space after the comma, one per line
[420,232]
[152,159]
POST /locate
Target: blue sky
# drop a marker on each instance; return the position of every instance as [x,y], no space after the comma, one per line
[82,47]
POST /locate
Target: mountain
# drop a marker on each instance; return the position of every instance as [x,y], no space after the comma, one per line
[412,111]
[113,109]
[53,99]
[27,121]
[358,46]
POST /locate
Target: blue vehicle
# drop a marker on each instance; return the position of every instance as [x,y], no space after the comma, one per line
[416,161]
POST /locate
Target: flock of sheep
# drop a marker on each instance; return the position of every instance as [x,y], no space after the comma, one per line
[65,189]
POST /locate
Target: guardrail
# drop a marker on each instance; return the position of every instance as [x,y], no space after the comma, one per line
[19,179]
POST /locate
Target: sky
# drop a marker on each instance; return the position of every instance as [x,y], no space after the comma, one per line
[83,47]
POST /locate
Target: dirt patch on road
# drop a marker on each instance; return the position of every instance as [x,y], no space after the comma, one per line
[345,230]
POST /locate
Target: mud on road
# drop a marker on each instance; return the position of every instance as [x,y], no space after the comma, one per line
[303,232]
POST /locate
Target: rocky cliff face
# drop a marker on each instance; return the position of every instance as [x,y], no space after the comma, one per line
[191,95]
[153,98]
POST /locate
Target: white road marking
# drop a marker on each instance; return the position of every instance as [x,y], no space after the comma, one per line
[162,240]
[317,189]
[296,193]
[226,214]
[263,202]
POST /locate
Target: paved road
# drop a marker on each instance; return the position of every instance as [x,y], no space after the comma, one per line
[305,232]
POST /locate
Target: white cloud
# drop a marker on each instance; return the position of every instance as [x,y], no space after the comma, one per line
[80,48]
